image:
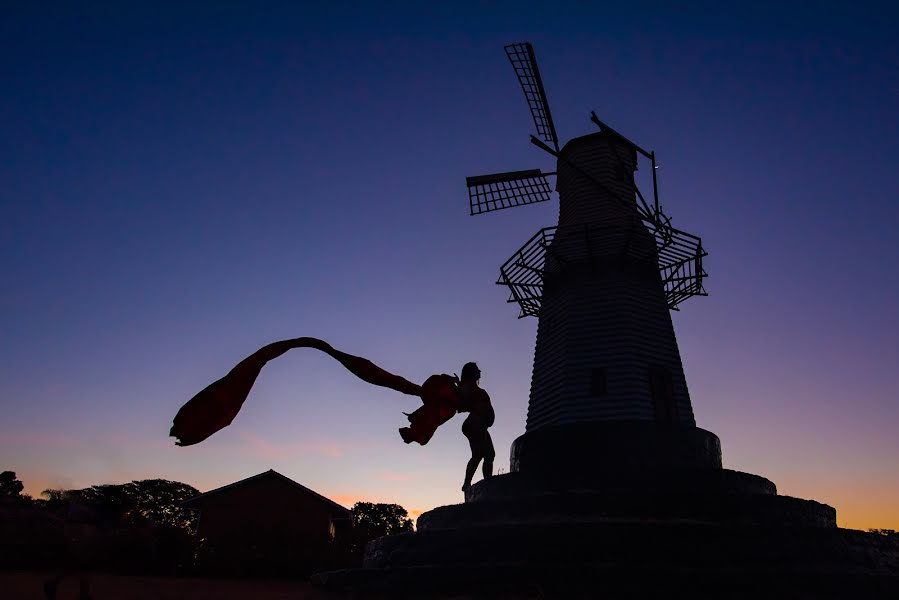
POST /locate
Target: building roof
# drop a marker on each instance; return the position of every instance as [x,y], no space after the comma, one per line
[269,473]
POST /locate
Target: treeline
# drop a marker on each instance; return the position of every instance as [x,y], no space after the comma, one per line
[140,528]
[135,528]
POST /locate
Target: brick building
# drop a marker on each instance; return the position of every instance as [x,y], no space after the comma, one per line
[268,523]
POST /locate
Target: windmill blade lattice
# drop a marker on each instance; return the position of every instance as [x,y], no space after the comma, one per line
[487,193]
[525,64]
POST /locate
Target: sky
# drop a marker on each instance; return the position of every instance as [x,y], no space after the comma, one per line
[181,184]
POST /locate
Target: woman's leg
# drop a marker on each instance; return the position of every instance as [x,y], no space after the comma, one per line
[472,465]
[489,454]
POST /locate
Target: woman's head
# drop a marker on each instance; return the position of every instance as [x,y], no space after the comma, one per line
[470,372]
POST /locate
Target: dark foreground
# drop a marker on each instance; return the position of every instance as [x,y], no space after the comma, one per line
[29,586]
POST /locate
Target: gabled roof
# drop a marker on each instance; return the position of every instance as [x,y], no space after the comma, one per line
[269,473]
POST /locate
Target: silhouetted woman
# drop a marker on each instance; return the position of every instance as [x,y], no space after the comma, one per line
[476,401]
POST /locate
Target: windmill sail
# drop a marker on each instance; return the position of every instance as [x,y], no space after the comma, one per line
[487,193]
[525,64]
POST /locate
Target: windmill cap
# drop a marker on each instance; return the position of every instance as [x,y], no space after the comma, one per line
[591,139]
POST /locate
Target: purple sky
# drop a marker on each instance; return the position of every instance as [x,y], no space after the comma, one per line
[179,186]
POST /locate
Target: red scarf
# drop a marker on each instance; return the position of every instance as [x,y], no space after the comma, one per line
[216,406]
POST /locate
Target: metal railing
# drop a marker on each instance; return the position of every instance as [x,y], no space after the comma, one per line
[677,254]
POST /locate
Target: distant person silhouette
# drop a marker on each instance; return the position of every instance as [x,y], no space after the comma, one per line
[83,530]
[475,401]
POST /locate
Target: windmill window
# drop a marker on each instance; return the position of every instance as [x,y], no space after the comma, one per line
[598,382]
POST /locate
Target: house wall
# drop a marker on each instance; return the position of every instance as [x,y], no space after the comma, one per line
[266,521]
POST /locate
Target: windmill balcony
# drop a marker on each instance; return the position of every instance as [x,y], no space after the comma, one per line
[676,255]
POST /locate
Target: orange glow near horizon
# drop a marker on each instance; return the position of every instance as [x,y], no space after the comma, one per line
[860,509]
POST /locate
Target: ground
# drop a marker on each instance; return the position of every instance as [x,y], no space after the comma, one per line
[29,586]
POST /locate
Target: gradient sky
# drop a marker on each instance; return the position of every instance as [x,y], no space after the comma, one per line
[180,185]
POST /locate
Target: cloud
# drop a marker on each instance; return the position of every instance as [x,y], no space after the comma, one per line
[347,500]
[79,439]
[393,476]
[53,458]
[260,447]
[122,440]
[47,439]
[328,449]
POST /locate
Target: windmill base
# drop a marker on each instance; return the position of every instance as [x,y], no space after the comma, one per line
[627,532]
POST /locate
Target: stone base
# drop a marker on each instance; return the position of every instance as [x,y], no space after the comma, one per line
[494,504]
[648,512]
[693,482]
[627,559]
[614,446]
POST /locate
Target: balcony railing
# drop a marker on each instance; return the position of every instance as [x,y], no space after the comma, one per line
[677,254]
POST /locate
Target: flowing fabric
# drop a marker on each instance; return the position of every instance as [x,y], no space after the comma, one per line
[440,400]
[216,406]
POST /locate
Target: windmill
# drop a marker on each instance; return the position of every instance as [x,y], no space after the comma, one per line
[612,486]
[602,281]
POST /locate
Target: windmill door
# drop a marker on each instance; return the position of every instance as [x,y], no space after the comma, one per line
[662,391]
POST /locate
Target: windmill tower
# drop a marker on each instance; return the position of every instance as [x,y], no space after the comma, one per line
[601,282]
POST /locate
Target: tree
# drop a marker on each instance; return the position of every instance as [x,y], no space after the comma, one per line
[10,487]
[374,520]
[381,519]
[105,505]
[158,501]
[890,533]
[139,527]
[154,502]
[53,495]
